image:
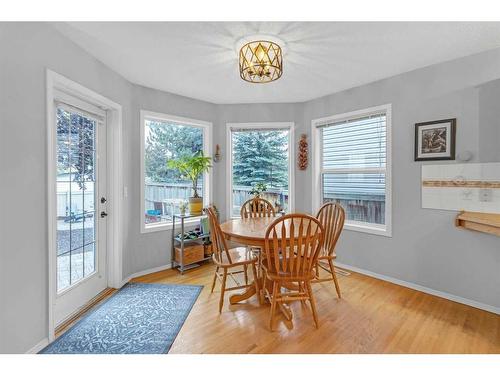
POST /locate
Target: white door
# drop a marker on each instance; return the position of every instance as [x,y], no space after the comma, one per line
[81,205]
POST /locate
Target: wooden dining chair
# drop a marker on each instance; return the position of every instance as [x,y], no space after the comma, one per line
[254,208]
[229,260]
[257,207]
[332,216]
[291,247]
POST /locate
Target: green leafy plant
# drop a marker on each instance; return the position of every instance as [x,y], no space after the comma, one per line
[258,189]
[191,168]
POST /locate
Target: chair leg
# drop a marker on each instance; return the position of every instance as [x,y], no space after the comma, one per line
[332,270]
[274,297]
[317,270]
[259,260]
[301,290]
[312,302]
[245,270]
[215,278]
[256,282]
[265,290]
[222,290]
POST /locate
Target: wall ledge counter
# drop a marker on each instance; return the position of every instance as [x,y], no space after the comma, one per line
[478,221]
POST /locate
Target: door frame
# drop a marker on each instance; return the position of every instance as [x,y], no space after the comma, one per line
[114,144]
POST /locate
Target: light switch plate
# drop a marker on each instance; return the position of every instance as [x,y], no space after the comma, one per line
[485,195]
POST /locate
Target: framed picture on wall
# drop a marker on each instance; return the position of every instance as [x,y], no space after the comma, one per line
[435,140]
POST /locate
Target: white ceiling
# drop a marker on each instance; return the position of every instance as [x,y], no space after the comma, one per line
[199,59]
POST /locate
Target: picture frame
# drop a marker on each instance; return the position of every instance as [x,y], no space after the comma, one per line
[435,140]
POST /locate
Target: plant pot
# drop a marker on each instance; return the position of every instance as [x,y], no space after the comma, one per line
[195,205]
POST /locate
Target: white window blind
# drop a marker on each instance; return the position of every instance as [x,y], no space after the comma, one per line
[356,143]
[353,167]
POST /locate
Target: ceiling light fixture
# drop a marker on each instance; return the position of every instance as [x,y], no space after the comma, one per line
[260,61]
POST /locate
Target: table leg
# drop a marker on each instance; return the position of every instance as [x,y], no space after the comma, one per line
[249,292]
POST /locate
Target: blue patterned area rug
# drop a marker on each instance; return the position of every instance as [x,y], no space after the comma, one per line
[138,319]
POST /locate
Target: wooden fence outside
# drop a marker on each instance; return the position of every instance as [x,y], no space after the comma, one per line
[362,208]
[174,193]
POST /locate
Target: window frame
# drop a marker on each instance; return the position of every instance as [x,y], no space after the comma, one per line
[207,128]
[229,160]
[317,169]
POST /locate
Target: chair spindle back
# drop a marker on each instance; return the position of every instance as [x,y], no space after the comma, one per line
[292,244]
[331,216]
[218,241]
[257,207]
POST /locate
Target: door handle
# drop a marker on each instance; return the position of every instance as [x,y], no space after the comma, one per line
[103,214]
[103,200]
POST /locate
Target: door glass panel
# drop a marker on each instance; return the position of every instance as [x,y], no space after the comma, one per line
[76,229]
[88,227]
[63,270]
[76,258]
[89,259]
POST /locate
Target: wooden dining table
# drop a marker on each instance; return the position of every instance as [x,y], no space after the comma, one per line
[250,232]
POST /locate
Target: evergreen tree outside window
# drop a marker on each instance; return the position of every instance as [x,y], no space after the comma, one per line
[260,155]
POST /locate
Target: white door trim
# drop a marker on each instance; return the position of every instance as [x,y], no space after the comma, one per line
[55,81]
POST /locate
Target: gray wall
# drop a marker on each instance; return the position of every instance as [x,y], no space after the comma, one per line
[154,249]
[27,49]
[425,249]
[489,121]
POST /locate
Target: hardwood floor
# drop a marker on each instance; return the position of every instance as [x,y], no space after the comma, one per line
[373,316]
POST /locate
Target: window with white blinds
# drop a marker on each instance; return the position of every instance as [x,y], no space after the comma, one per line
[353,167]
[355,144]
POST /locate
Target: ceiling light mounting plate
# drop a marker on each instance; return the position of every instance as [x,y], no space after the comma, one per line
[251,38]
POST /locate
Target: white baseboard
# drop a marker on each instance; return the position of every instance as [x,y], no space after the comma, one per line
[420,288]
[42,344]
[145,272]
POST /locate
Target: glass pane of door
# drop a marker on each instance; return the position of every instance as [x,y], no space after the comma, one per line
[76,202]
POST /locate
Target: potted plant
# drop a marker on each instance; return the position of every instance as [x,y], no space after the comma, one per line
[258,189]
[192,167]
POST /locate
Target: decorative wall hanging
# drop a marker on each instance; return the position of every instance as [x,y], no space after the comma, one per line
[435,140]
[303,152]
[217,155]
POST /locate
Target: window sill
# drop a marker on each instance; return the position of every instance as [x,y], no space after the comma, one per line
[191,223]
[379,230]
